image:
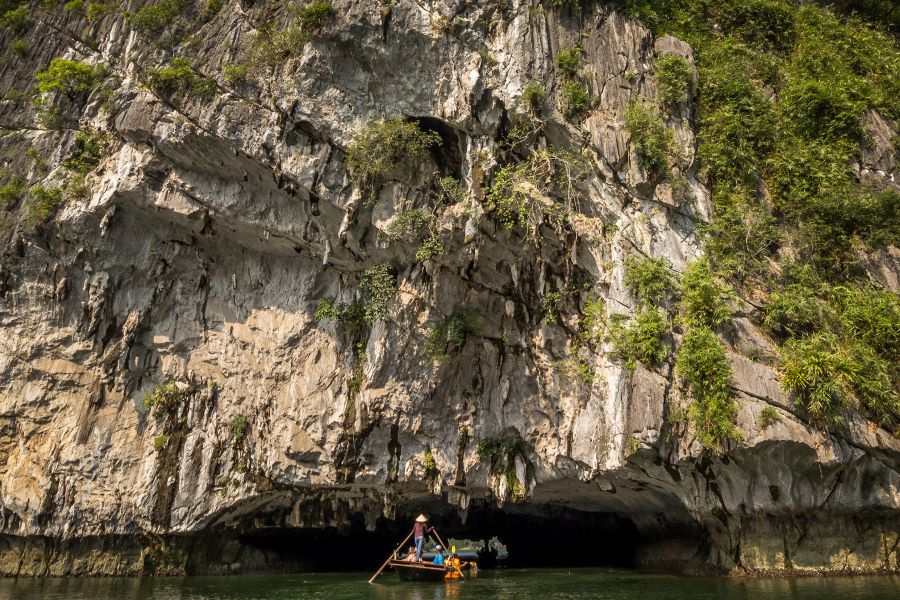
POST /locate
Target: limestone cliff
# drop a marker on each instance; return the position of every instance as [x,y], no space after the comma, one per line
[189,265]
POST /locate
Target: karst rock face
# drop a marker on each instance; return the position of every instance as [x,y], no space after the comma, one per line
[215,224]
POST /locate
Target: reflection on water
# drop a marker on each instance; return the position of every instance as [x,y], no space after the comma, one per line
[534,584]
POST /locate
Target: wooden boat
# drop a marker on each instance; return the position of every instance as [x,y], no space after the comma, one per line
[418,571]
[408,570]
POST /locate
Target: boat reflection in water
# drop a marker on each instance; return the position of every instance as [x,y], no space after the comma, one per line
[449,590]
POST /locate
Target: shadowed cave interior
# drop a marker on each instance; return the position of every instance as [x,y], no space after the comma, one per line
[536,536]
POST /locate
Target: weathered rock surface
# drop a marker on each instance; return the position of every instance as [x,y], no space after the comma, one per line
[214,228]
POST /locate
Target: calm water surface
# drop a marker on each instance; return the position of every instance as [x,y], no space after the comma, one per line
[533,584]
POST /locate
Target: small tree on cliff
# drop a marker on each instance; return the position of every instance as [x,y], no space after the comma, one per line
[381,149]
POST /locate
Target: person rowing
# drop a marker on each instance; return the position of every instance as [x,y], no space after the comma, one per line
[420,530]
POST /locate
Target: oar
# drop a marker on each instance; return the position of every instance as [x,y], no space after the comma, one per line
[443,545]
[378,572]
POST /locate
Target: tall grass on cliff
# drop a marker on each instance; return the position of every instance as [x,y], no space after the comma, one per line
[784,94]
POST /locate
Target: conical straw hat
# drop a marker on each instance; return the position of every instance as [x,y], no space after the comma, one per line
[421,519]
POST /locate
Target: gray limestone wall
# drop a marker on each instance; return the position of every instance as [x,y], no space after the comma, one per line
[213,228]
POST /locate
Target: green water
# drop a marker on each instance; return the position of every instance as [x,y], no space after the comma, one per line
[533,584]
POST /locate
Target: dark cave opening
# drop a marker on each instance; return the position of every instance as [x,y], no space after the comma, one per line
[448,154]
[543,536]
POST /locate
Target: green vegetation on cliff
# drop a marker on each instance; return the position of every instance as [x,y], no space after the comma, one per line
[152,20]
[166,399]
[842,345]
[502,452]
[785,93]
[534,96]
[675,80]
[416,225]
[86,152]
[179,77]
[312,16]
[377,287]
[63,86]
[885,13]
[574,96]
[274,43]
[541,188]
[69,77]
[92,10]
[703,297]
[701,364]
[381,148]
[703,367]
[649,278]
[450,335]
[641,340]
[651,140]
[14,15]
[11,192]
[429,464]
[41,205]
[240,428]
[569,60]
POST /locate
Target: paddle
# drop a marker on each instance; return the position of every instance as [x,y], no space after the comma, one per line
[378,572]
[443,545]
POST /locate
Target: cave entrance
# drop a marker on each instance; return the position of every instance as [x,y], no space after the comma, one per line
[348,548]
[552,536]
[533,535]
[448,155]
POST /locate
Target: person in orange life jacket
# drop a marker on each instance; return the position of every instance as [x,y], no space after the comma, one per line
[420,530]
